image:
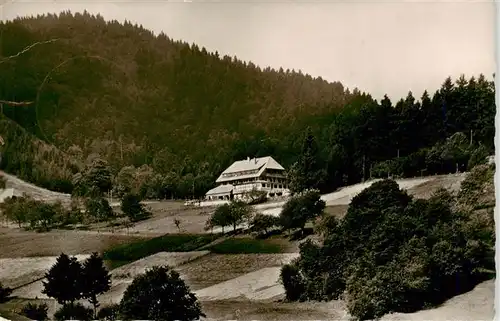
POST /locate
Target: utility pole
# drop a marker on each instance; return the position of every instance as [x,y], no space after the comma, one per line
[471,137]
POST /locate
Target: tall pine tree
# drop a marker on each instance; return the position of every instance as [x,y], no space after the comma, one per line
[305,174]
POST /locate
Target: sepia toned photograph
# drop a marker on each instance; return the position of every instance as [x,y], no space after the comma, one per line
[247,160]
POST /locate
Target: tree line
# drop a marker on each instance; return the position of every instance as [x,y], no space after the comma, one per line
[137,108]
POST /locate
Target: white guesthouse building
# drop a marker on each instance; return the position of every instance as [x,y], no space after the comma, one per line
[262,174]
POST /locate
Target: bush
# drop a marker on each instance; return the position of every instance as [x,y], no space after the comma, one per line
[262,223]
[473,186]
[292,281]
[254,197]
[5,293]
[109,313]
[478,157]
[73,311]
[393,253]
[35,311]
[131,206]
[3,182]
[98,208]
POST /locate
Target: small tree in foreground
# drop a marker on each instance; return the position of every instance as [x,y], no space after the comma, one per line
[160,294]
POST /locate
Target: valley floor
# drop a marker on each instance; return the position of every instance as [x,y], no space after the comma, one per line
[230,286]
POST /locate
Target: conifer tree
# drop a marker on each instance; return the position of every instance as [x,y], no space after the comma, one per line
[63,280]
[96,280]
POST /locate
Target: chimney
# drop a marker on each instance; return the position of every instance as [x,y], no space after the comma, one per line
[248,158]
[255,160]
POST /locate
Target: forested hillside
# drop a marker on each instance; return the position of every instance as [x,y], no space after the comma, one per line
[173,115]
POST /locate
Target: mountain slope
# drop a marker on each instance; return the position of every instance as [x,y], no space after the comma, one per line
[119,90]
[34,160]
[184,114]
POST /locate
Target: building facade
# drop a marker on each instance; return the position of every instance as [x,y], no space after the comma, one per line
[261,174]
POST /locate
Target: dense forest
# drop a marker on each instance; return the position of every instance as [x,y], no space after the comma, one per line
[172,116]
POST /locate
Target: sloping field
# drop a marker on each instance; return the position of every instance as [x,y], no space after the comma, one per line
[17,272]
[259,285]
[200,269]
[120,277]
[477,304]
[449,182]
[34,191]
[213,269]
[171,259]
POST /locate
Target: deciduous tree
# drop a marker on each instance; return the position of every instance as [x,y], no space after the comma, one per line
[160,294]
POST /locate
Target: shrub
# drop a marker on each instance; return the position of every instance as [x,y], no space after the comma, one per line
[474,184]
[73,311]
[478,157]
[131,206]
[262,223]
[98,208]
[254,197]
[35,311]
[5,293]
[109,312]
[293,282]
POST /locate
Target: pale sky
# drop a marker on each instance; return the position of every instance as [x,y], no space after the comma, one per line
[378,46]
